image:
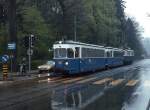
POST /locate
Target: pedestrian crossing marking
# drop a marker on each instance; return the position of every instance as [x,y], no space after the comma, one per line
[86,80]
[116,82]
[102,81]
[132,82]
[52,80]
[58,80]
[72,80]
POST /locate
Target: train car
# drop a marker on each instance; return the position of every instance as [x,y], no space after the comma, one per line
[128,56]
[114,57]
[75,57]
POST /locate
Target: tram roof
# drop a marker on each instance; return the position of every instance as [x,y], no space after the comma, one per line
[85,44]
[76,43]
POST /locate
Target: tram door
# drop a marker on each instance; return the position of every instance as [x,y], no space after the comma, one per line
[77,57]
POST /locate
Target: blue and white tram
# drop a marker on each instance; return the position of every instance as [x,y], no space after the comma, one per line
[128,56]
[114,57]
[76,57]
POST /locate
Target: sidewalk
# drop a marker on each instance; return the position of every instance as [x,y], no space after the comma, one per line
[17,74]
[14,78]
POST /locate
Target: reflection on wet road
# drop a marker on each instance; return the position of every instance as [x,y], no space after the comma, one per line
[140,99]
[124,88]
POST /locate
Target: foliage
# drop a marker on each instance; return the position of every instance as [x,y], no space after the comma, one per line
[133,37]
[33,23]
[3,38]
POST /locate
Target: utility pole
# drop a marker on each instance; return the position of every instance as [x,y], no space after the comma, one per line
[75,28]
[12,28]
[29,44]
[29,53]
[30,49]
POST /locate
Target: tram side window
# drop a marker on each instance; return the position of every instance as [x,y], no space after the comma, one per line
[84,52]
[70,53]
[101,53]
[125,53]
[60,53]
[128,53]
[132,53]
[109,54]
[118,54]
[89,52]
[77,52]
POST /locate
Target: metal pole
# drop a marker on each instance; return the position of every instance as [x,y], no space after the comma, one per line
[75,28]
[29,54]
[12,29]
[11,58]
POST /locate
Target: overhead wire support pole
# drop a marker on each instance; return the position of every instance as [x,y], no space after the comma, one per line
[75,28]
[11,4]
[29,54]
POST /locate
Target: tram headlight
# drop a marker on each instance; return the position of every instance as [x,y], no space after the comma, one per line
[66,63]
[60,42]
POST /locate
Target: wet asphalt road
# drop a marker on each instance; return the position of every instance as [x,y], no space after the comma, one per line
[123,88]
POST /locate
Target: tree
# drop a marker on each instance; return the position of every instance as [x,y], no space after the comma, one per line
[33,23]
[101,22]
[120,5]
[133,37]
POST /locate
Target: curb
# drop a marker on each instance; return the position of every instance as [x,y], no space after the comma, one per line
[13,81]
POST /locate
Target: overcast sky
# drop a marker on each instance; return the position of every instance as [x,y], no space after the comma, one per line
[140,10]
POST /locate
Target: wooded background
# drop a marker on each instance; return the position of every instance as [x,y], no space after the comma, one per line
[101,22]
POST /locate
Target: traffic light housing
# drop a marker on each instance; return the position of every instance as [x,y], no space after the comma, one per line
[26,41]
[32,40]
[29,41]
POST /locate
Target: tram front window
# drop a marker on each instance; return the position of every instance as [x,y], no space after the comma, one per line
[70,53]
[60,53]
[77,52]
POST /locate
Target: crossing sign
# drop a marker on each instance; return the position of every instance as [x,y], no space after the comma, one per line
[5,58]
[29,52]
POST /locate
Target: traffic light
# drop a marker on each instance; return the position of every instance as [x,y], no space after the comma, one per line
[32,39]
[26,41]
[29,41]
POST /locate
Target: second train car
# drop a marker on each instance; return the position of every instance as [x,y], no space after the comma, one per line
[75,57]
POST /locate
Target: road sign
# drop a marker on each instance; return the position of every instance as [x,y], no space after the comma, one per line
[5,58]
[11,46]
[30,52]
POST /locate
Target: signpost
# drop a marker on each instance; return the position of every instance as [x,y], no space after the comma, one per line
[29,44]
[11,62]
[5,59]
[11,46]
[29,51]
